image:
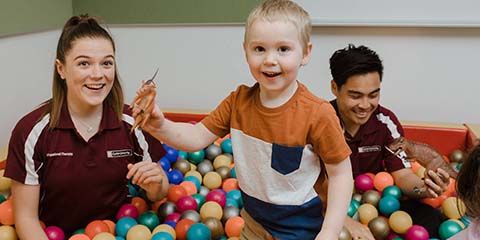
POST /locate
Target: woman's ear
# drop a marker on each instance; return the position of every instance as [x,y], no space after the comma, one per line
[60,69]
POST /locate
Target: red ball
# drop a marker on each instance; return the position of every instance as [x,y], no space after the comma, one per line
[417,232]
[363,183]
[174,217]
[54,233]
[127,210]
[217,196]
[186,203]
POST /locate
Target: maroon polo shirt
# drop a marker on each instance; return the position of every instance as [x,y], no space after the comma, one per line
[79,181]
[368,145]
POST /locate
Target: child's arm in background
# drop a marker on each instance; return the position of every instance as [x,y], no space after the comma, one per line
[338,198]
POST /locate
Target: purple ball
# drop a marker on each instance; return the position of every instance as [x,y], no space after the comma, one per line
[54,233]
[127,210]
[363,183]
[186,203]
[417,232]
[217,196]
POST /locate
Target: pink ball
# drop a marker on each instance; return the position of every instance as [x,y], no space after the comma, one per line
[217,196]
[363,182]
[174,217]
[127,210]
[186,203]
[54,233]
[417,232]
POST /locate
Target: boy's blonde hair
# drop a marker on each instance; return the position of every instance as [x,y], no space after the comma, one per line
[282,10]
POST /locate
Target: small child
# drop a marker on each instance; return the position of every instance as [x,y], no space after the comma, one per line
[468,190]
[285,139]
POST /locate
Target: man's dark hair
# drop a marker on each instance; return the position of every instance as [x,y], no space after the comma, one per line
[353,60]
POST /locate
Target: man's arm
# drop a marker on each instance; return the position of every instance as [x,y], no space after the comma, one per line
[415,187]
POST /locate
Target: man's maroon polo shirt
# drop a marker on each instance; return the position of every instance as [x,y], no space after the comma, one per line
[80,181]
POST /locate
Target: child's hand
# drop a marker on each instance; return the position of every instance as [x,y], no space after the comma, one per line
[147,175]
[358,230]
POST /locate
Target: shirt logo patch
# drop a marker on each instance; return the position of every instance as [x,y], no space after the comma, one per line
[60,154]
[119,153]
[367,149]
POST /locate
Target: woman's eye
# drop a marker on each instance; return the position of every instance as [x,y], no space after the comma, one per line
[83,63]
[108,63]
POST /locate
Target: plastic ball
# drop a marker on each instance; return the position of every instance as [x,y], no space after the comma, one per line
[138,232]
[175,176]
[192,215]
[233,173]
[353,207]
[140,204]
[149,219]
[127,210]
[111,226]
[417,232]
[194,180]
[388,205]
[186,203]
[448,229]
[182,165]
[205,167]
[237,196]
[54,233]
[182,155]
[393,191]
[165,228]
[95,227]
[229,212]
[79,236]
[382,180]
[173,217]
[453,208]
[6,212]
[400,222]
[104,236]
[215,226]
[5,182]
[434,202]
[166,209]
[196,157]
[211,209]
[344,235]
[222,161]
[230,184]
[7,233]
[165,164]
[195,174]
[226,146]
[212,151]
[175,192]
[371,196]
[123,226]
[457,156]
[161,236]
[367,212]
[189,187]
[171,154]
[234,226]
[203,191]
[199,231]
[379,227]
[223,171]
[182,228]
[217,196]
[363,182]
[212,180]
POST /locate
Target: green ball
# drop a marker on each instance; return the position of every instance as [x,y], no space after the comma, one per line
[79,231]
[352,209]
[149,219]
[196,157]
[182,154]
[448,229]
[200,199]
[393,191]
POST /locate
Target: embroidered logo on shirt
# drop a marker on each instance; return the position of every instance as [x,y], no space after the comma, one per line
[119,153]
[58,154]
[367,149]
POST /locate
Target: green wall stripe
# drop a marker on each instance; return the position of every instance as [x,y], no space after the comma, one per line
[166,11]
[23,16]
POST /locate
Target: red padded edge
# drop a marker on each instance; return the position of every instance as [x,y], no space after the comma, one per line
[443,139]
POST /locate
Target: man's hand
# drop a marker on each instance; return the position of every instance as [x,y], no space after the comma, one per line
[436,182]
[358,230]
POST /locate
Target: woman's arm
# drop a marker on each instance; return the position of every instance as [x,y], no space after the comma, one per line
[25,208]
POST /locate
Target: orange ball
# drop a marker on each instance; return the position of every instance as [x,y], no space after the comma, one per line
[451,191]
[6,212]
[111,226]
[189,187]
[234,226]
[95,227]
[182,227]
[382,180]
[140,204]
[415,166]
[79,236]
[175,192]
[230,184]
[435,202]
[157,204]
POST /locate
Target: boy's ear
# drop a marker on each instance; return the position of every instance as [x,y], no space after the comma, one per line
[60,68]
[244,45]
[334,88]
[307,54]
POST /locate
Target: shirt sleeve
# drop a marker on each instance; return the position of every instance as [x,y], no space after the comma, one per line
[218,121]
[327,136]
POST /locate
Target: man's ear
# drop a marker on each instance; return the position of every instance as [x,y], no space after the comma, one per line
[60,68]
[334,88]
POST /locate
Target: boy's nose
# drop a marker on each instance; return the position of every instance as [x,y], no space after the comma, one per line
[270,59]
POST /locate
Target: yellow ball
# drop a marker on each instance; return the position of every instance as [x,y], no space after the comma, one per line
[212,180]
[400,222]
[211,209]
[7,233]
[5,182]
[195,174]
[222,161]
[138,232]
[453,208]
[104,236]
[165,228]
[3,153]
[367,212]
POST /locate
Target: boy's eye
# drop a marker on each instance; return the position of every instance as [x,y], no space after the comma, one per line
[283,49]
[259,49]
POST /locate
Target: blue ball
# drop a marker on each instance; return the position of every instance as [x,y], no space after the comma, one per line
[132,191]
[171,154]
[237,196]
[161,236]
[233,173]
[226,146]
[171,223]
[119,238]
[165,163]
[231,202]
[123,225]
[388,205]
[353,207]
[199,231]
[195,180]
[175,176]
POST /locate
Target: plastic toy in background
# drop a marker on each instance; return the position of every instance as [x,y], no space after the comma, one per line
[144,100]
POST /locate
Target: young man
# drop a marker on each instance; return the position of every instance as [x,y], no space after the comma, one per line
[369,128]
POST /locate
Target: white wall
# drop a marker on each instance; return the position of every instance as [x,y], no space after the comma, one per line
[430,73]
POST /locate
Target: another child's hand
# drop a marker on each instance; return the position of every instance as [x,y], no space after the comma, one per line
[148,175]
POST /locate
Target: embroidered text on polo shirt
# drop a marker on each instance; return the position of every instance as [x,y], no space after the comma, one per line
[57,154]
[367,149]
[119,153]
